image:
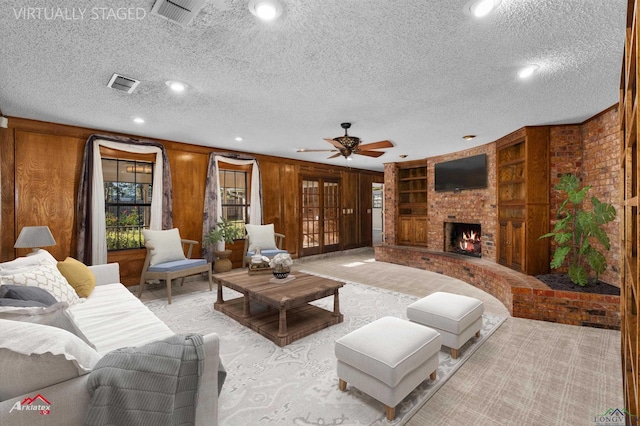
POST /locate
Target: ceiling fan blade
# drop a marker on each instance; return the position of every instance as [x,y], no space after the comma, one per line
[315,150]
[334,143]
[376,145]
[369,153]
[334,156]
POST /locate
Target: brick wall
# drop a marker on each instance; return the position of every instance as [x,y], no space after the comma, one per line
[565,147]
[390,204]
[591,151]
[601,171]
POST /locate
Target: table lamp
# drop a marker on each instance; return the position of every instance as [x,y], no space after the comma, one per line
[34,237]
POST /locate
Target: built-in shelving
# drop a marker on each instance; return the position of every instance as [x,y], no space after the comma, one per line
[523,199]
[629,161]
[412,203]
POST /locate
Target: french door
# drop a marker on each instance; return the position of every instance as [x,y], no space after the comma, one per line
[320,215]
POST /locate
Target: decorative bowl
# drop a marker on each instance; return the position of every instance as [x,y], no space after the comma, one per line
[281,275]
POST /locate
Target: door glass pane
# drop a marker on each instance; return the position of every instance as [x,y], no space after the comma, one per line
[310,214]
[331,213]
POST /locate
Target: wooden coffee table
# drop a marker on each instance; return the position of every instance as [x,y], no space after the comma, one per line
[279,311]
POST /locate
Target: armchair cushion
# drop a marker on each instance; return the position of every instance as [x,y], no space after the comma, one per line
[261,236]
[268,253]
[176,265]
[78,275]
[165,246]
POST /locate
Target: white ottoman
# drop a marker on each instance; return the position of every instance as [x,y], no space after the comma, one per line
[387,359]
[457,318]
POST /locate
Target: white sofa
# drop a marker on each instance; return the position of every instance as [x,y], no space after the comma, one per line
[110,318]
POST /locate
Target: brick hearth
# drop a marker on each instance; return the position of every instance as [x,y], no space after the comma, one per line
[523,295]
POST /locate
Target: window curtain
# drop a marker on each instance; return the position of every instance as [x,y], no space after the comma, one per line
[213,203]
[91,222]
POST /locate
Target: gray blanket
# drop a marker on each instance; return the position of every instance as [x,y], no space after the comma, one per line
[155,384]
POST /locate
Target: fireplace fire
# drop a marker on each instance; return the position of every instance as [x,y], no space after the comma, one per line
[463,238]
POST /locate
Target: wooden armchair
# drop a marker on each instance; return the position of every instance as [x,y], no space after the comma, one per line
[269,252]
[168,270]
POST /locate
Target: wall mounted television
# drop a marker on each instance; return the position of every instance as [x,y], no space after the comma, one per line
[463,173]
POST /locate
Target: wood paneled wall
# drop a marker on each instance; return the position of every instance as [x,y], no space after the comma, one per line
[46,195]
[40,166]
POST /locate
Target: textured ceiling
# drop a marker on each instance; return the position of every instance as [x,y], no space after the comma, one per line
[419,73]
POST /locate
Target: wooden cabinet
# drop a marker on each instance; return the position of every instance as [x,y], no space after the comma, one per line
[412,231]
[412,203]
[522,174]
[629,214]
[511,244]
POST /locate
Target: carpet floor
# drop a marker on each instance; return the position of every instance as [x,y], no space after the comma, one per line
[527,373]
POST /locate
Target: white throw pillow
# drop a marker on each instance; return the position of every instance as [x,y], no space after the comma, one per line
[166,246]
[35,356]
[55,315]
[46,276]
[261,236]
[32,259]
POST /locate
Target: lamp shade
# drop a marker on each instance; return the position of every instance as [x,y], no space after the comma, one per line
[35,237]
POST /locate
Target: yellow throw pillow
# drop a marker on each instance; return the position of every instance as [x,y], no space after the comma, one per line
[79,276]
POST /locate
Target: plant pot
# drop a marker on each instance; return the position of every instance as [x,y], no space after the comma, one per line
[222,263]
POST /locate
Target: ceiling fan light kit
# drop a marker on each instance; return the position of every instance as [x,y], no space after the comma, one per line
[347,145]
[349,142]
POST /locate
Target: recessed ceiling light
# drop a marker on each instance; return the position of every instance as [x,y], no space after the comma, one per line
[176,86]
[138,120]
[481,8]
[468,137]
[267,10]
[527,71]
[403,155]
[239,139]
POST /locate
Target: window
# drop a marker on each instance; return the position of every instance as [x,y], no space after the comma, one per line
[127,191]
[234,195]
[377,199]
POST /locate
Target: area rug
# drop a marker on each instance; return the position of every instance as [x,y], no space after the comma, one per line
[297,384]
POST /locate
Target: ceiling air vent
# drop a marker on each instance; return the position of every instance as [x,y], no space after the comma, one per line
[122,83]
[178,11]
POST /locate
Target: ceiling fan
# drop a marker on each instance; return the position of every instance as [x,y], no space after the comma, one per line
[347,145]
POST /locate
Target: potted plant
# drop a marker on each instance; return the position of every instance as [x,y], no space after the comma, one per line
[576,230]
[223,232]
